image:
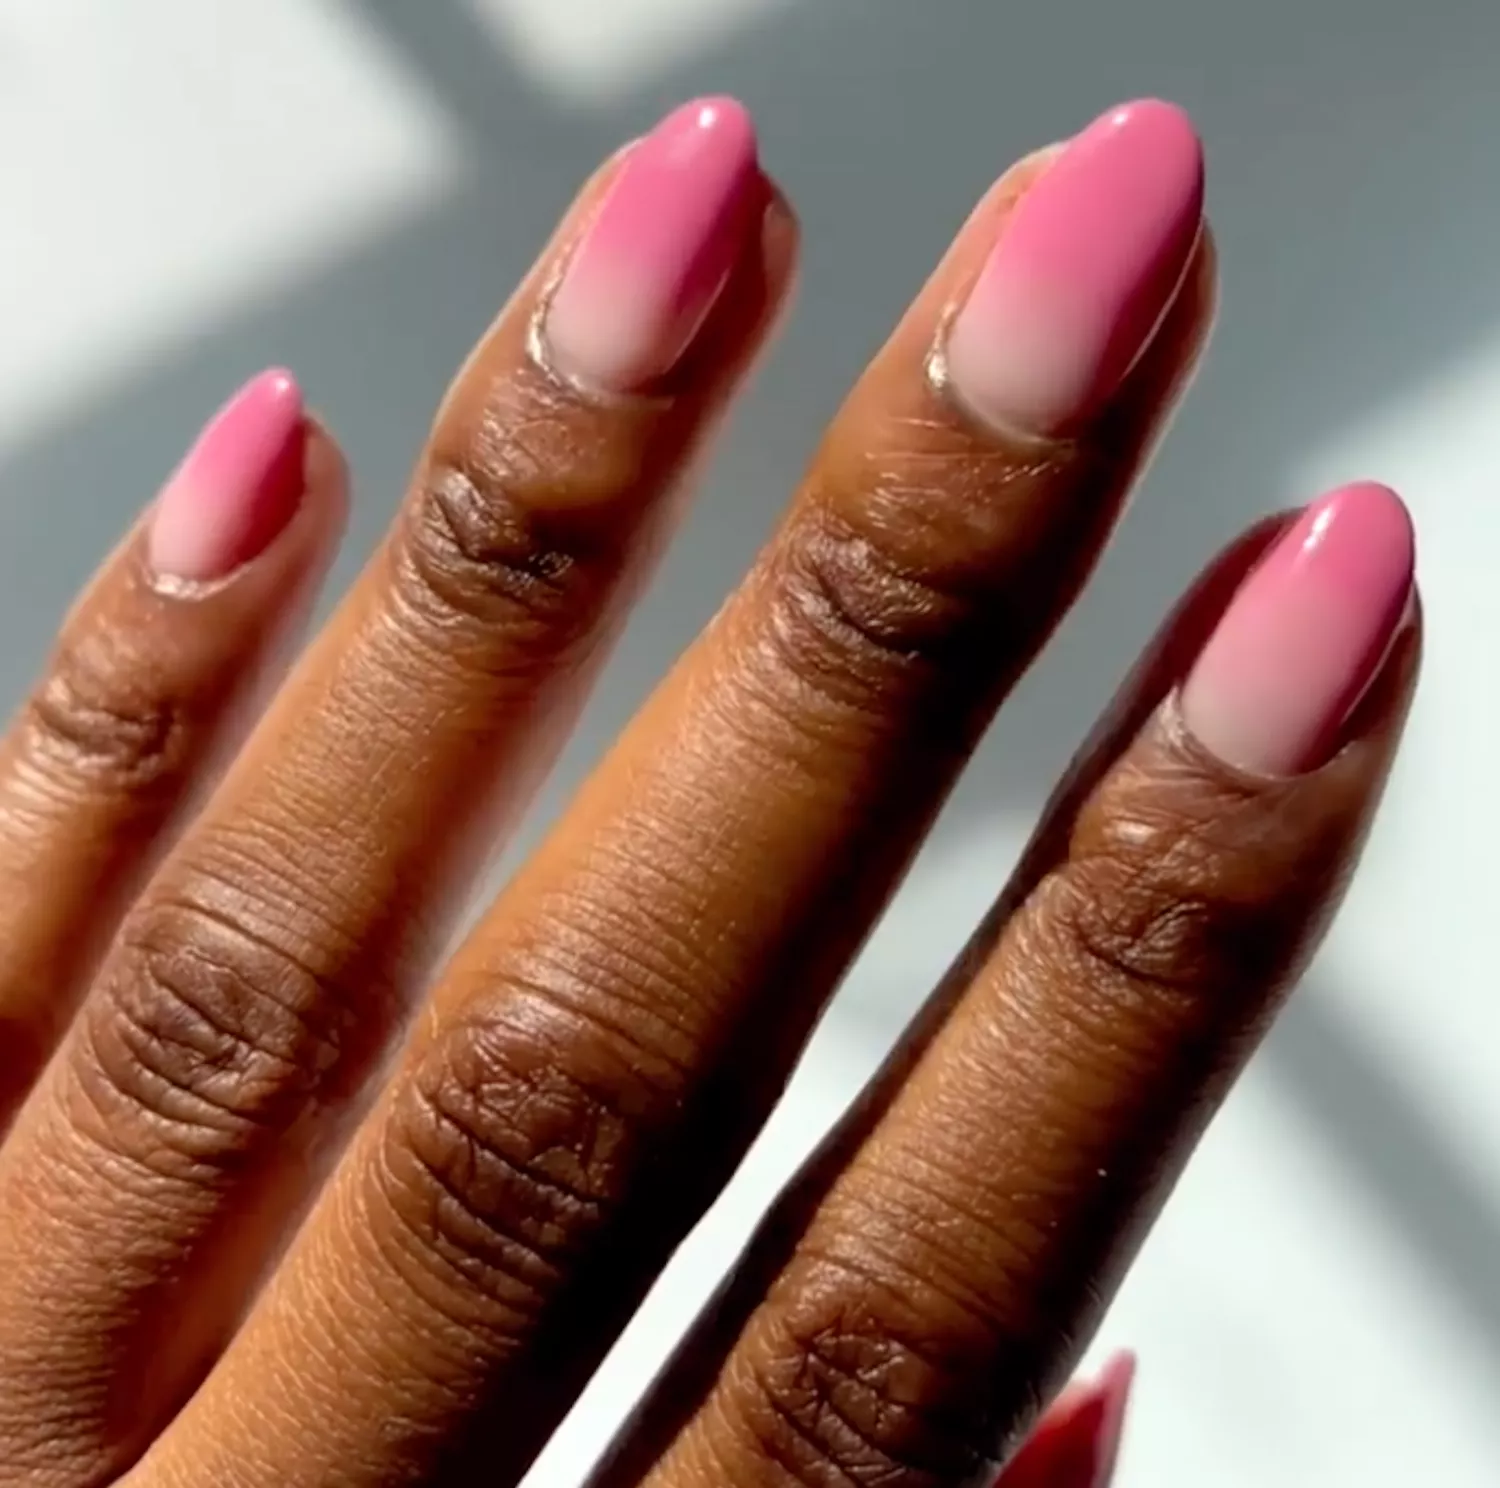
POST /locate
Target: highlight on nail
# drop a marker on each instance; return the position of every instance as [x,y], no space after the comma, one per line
[1085,266]
[656,257]
[1305,635]
[1077,1442]
[238,486]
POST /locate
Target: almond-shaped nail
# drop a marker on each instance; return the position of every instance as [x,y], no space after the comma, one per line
[1305,635]
[660,248]
[238,486]
[1084,268]
[1076,1444]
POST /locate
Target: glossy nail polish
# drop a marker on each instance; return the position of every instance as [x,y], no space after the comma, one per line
[1305,635]
[1084,268]
[238,486]
[657,254]
[1105,1420]
[1077,1442]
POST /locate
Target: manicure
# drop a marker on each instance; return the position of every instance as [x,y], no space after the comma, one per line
[238,486]
[1086,265]
[1305,635]
[658,253]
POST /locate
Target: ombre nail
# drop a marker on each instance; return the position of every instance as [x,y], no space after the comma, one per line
[1085,266]
[659,251]
[238,486]
[1305,635]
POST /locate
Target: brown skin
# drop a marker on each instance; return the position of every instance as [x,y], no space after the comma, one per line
[593,1061]
[118,739]
[934,1270]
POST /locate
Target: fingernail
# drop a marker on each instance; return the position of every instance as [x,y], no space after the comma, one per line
[656,256]
[1106,1414]
[1305,635]
[238,486]
[1077,1442]
[1084,268]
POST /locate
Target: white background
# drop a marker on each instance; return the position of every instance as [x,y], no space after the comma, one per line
[193,188]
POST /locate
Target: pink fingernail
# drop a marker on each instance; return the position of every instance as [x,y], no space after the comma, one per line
[238,486]
[1083,271]
[1076,1444]
[657,255]
[1305,635]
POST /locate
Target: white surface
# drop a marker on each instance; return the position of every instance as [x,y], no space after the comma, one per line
[177,173]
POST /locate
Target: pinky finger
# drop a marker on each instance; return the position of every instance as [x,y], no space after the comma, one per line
[153,674]
[1076,1444]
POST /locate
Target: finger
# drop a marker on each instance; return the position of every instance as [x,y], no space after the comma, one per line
[678,1392]
[265,967]
[1076,1444]
[153,675]
[952,1272]
[676,1395]
[615,1031]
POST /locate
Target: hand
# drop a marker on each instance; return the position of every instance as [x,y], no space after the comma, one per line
[261,1227]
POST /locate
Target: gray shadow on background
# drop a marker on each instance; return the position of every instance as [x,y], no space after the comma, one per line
[1351,268]
[1445,1215]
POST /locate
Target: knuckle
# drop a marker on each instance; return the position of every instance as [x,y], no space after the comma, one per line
[1134,934]
[91,718]
[1146,911]
[481,545]
[207,1032]
[915,548]
[846,1386]
[853,614]
[507,1150]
